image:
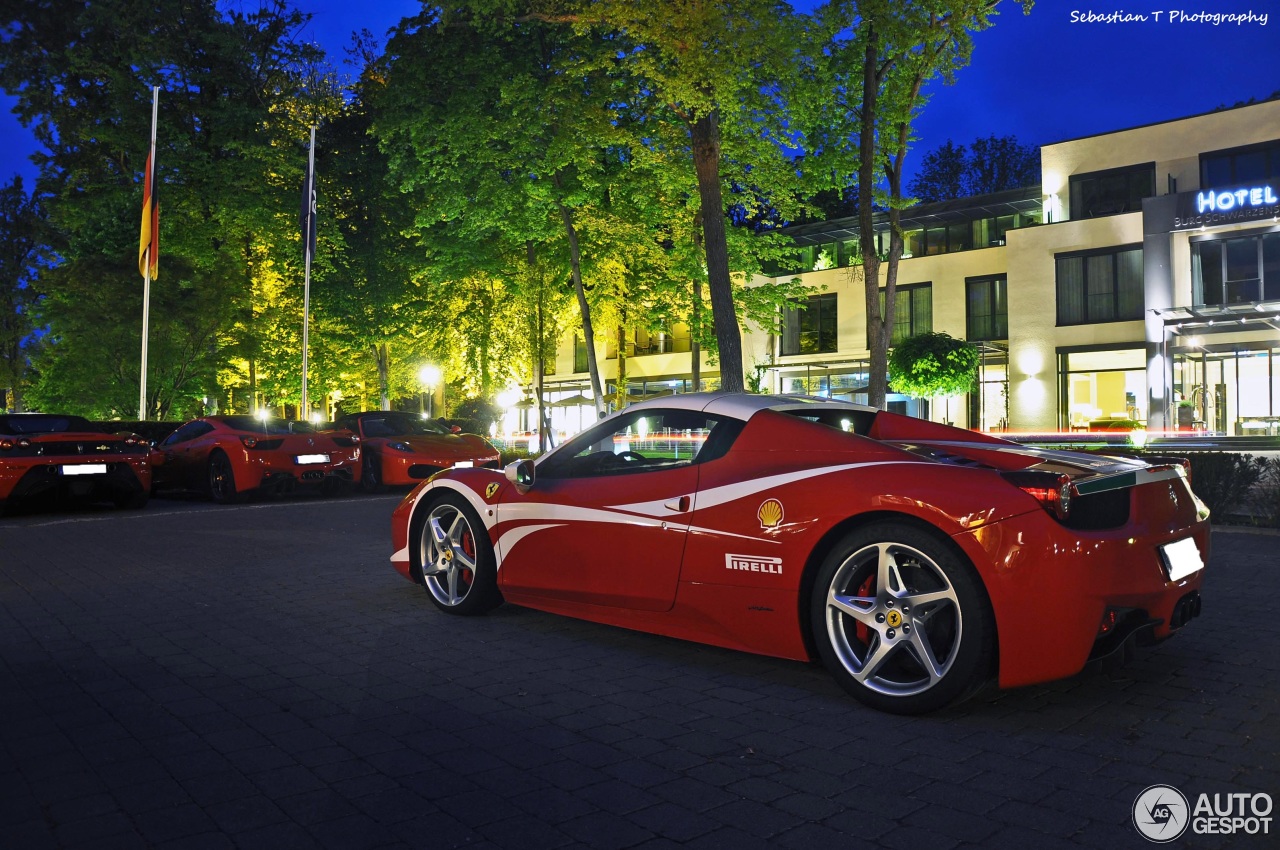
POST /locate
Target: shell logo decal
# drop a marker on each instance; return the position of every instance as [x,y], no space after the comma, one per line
[491,489]
[770,514]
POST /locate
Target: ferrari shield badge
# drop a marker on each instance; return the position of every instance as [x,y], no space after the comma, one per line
[491,489]
[770,514]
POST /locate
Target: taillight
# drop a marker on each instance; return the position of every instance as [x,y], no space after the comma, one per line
[258,444]
[6,444]
[1052,490]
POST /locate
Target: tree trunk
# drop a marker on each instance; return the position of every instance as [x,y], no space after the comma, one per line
[877,325]
[695,348]
[384,376]
[588,335]
[253,386]
[705,137]
[621,384]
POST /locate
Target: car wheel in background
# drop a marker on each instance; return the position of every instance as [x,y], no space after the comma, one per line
[457,559]
[222,480]
[901,620]
[371,473]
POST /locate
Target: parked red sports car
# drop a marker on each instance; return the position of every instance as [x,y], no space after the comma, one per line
[404,448]
[55,456]
[916,560]
[228,457]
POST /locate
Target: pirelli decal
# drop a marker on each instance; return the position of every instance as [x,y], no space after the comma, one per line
[754,563]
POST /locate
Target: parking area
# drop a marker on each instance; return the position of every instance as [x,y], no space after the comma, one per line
[192,676]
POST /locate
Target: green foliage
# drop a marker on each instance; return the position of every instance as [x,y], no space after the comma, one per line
[22,249]
[933,364]
[988,165]
[1223,480]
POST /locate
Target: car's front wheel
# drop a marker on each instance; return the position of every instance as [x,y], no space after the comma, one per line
[901,619]
[457,558]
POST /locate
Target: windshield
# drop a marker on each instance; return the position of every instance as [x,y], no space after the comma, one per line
[272,427]
[400,425]
[37,423]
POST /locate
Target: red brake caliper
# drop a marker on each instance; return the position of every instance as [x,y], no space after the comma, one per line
[867,589]
[469,547]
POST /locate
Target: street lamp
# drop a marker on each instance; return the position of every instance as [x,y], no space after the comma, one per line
[430,377]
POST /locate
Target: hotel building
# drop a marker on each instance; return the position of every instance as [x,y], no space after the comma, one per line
[1139,281]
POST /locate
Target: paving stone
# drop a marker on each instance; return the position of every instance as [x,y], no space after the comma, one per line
[233,700]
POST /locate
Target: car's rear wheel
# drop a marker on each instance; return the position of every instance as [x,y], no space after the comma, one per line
[457,558]
[222,480]
[371,473]
[901,620]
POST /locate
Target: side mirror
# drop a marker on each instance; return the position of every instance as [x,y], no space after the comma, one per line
[455,429]
[520,473]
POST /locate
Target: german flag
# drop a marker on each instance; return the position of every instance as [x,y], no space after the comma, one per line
[149,240]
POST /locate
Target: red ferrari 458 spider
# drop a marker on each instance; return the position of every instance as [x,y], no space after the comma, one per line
[404,448]
[916,560]
[55,456]
[228,457]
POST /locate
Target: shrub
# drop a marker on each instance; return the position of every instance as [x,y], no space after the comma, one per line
[1224,480]
[933,364]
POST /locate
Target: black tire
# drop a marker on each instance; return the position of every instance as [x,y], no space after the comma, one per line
[371,473]
[221,480]
[885,600]
[461,576]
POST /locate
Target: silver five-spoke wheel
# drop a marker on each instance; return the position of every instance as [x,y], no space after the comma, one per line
[894,619]
[901,619]
[457,559]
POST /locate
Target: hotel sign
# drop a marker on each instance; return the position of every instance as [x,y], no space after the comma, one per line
[1217,207]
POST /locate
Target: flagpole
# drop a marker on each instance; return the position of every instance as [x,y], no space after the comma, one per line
[304,412]
[146,274]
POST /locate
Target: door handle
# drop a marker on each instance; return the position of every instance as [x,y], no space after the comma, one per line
[681,504]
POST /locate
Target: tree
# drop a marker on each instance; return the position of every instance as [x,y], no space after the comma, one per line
[942,174]
[22,249]
[891,52]
[988,165]
[933,364]
[721,72]
[232,85]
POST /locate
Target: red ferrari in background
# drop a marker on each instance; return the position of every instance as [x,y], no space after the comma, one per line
[54,456]
[404,448]
[228,457]
[917,560]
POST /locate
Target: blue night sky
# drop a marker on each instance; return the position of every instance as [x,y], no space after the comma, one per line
[1044,77]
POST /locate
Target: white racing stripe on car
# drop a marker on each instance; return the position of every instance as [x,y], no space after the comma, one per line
[732,492]
[514,536]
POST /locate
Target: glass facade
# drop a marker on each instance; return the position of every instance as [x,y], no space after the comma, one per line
[947,238]
[1236,270]
[811,330]
[1253,163]
[1101,386]
[1100,286]
[1111,192]
[987,307]
[1228,390]
[912,311]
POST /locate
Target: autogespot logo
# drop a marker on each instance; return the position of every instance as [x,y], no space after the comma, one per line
[1160,813]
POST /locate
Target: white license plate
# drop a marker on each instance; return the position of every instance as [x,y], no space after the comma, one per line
[303,459]
[464,464]
[1181,559]
[85,469]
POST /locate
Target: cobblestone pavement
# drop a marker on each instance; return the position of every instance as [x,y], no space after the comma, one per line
[191,676]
